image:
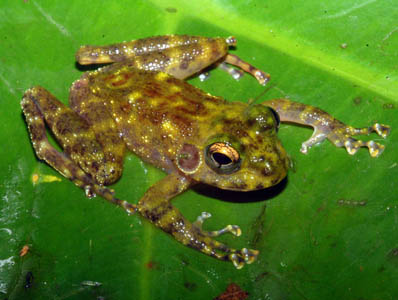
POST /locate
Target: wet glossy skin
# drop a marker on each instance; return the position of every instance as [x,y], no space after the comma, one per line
[141,104]
[160,118]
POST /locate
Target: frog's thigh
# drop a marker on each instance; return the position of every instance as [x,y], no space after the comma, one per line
[58,160]
[71,131]
[92,109]
[33,103]
[155,206]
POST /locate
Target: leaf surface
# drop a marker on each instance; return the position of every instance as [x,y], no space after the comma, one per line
[328,232]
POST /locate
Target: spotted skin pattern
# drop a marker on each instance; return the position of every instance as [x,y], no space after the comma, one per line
[142,104]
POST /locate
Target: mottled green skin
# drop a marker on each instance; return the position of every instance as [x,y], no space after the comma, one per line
[135,105]
[141,104]
[157,114]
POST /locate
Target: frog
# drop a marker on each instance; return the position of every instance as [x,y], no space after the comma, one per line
[140,102]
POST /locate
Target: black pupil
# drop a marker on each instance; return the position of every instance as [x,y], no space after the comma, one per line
[221,159]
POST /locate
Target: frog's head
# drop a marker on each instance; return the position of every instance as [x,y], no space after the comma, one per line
[242,151]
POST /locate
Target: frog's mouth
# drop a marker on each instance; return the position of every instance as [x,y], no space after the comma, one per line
[246,180]
[252,181]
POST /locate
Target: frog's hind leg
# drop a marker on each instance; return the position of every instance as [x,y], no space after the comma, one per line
[156,207]
[34,102]
[91,109]
[177,55]
[181,56]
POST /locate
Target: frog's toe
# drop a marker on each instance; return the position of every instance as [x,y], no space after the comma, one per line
[352,146]
[242,257]
[316,138]
[375,149]
[89,191]
[262,77]
[341,136]
[201,218]
[204,76]
[233,229]
[381,129]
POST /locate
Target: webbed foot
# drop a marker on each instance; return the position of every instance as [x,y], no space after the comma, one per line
[243,256]
[341,135]
[238,257]
[327,127]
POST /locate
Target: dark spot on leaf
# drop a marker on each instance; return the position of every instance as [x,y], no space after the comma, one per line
[261,276]
[233,292]
[28,280]
[190,286]
[357,100]
[393,254]
[389,106]
[171,9]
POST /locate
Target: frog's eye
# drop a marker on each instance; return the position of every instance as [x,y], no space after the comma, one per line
[222,158]
[277,118]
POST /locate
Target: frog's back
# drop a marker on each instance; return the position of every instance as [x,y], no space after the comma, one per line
[154,112]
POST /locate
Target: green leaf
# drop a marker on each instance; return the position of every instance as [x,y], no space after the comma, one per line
[328,232]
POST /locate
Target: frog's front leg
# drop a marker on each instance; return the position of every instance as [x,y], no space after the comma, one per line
[155,205]
[327,127]
[76,138]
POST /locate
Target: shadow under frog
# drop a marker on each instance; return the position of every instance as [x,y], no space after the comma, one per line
[241,197]
[141,103]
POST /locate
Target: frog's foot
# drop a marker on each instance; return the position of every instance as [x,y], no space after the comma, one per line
[379,129]
[204,76]
[233,229]
[201,241]
[242,257]
[155,206]
[238,257]
[327,127]
[341,135]
[234,60]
